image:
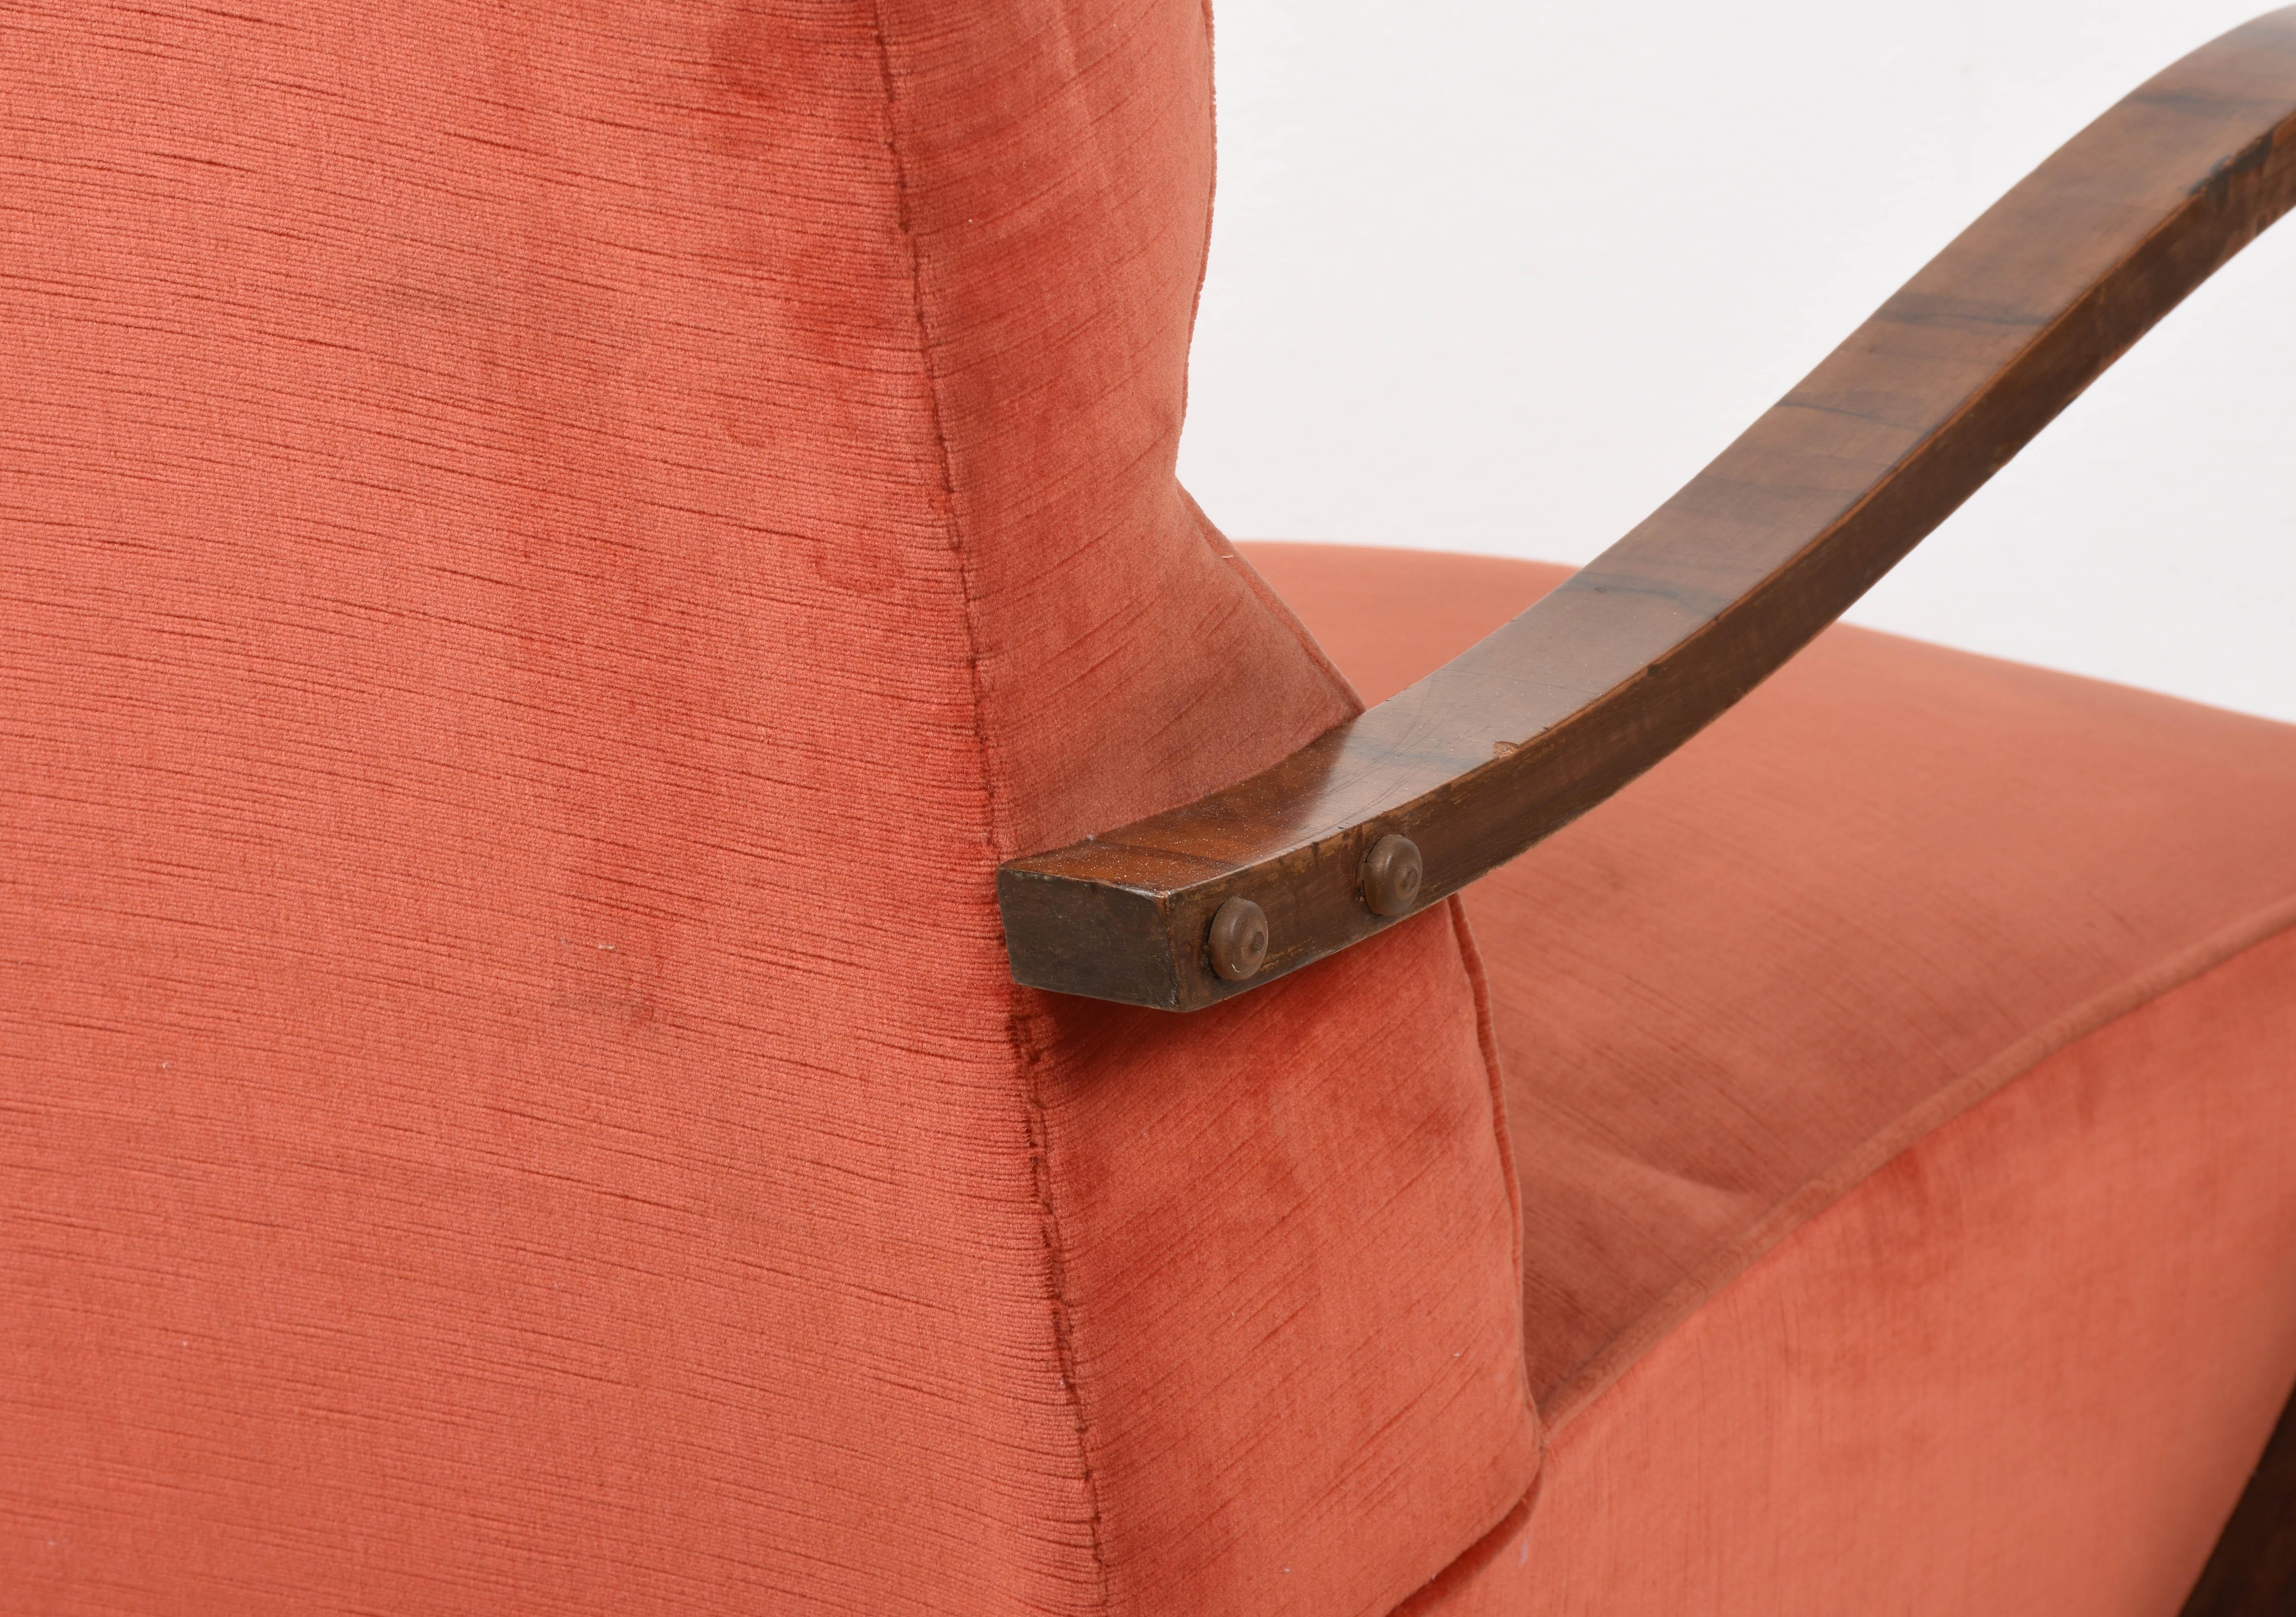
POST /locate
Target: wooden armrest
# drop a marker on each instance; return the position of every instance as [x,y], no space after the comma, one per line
[1523,732]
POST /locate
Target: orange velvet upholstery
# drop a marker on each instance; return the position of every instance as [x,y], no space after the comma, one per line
[1903,1082]
[547,552]
[545,555]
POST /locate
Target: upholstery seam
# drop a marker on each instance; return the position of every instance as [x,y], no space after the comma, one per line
[1515,1517]
[2092,1017]
[1427,1599]
[1600,1371]
[1211,195]
[1024,1053]
[1470,959]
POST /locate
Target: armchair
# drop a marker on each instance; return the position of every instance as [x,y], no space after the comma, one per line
[620,743]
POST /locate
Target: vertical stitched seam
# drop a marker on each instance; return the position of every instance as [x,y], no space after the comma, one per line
[1479,981]
[1211,195]
[1056,1287]
[1024,1054]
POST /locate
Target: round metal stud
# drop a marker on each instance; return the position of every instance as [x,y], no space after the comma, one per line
[1238,944]
[1392,874]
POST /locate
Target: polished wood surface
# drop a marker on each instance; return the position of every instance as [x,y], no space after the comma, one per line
[2253,1572]
[1525,732]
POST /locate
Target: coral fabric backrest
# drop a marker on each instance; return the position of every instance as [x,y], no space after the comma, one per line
[548,552]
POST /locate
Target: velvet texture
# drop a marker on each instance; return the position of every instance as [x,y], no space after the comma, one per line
[1903,1078]
[548,553]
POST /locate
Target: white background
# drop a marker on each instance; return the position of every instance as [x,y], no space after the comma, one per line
[1499,276]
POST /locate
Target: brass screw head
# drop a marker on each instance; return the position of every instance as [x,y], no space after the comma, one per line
[1392,874]
[1238,944]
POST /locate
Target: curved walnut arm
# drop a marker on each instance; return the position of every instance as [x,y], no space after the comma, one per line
[1606,676]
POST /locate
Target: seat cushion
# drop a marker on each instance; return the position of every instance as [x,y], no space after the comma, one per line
[1902,1080]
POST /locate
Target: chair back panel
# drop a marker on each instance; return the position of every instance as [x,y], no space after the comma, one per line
[549,552]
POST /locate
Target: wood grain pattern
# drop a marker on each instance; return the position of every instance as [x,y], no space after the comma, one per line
[1523,732]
